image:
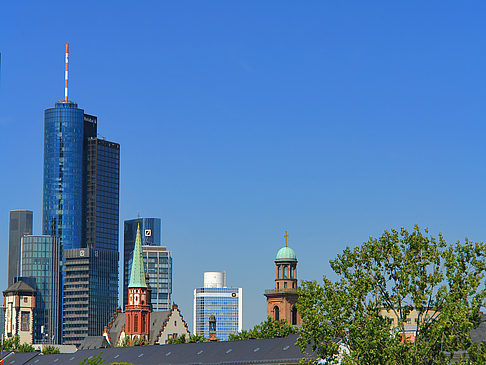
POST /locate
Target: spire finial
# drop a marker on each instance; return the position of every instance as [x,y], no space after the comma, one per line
[66,73]
[286,235]
[137,273]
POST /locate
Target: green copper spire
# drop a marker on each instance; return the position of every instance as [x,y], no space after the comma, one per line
[137,274]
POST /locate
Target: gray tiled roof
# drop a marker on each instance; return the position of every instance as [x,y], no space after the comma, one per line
[20,287]
[265,351]
[94,342]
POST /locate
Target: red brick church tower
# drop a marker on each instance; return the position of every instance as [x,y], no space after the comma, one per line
[137,312]
[281,301]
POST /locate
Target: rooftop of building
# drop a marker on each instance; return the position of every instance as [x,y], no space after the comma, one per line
[265,351]
[20,288]
[286,253]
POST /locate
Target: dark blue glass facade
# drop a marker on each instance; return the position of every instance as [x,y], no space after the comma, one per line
[103,177]
[63,174]
[41,269]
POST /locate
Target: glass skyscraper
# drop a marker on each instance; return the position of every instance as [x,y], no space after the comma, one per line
[225,304]
[41,268]
[80,207]
[63,173]
[19,223]
[150,231]
[102,190]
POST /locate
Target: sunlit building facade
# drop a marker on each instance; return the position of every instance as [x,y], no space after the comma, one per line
[41,269]
[226,304]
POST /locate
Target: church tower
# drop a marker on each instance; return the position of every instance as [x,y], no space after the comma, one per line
[281,301]
[137,312]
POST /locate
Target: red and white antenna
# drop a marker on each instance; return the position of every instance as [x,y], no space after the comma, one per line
[66,74]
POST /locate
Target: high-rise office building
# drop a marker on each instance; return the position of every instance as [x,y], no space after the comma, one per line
[102,194]
[158,266]
[19,223]
[216,299]
[90,292]
[80,202]
[150,229]
[41,269]
[63,173]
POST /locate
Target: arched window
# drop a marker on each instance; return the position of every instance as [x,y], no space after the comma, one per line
[294,316]
[135,323]
[292,272]
[286,272]
[276,313]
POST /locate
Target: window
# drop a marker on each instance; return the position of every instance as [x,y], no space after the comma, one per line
[285,284]
[276,313]
[26,299]
[175,323]
[135,323]
[294,316]
[286,272]
[25,321]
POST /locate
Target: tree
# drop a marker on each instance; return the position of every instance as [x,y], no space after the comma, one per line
[50,350]
[98,360]
[267,329]
[13,344]
[192,339]
[25,347]
[135,341]
[396,273]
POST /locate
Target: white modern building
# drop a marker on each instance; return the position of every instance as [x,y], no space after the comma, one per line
[216,299]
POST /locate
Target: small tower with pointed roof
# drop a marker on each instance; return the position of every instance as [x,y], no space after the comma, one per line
[281,301]
[137,312]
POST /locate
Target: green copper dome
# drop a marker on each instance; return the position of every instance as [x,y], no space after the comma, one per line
[137,273]
[286,253]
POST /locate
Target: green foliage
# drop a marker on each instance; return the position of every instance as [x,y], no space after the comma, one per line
[94,361]
[177,340]
[196,338]
[266,329]
[192,339]
[13,344]
[25,347]
[398,272]
[50,350]
[135,341]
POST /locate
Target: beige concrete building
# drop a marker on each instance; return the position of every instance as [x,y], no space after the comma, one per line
[410,322]
[19,303]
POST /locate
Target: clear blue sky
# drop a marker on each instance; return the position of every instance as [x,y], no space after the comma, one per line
[333,120]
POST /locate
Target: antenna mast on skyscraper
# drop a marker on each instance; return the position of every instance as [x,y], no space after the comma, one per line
[66,74]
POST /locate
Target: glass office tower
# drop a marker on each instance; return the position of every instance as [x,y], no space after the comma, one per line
[63,173]
[226,304]
[19,223]
[41,269]
[150,231]
[158,267]
[103,177]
